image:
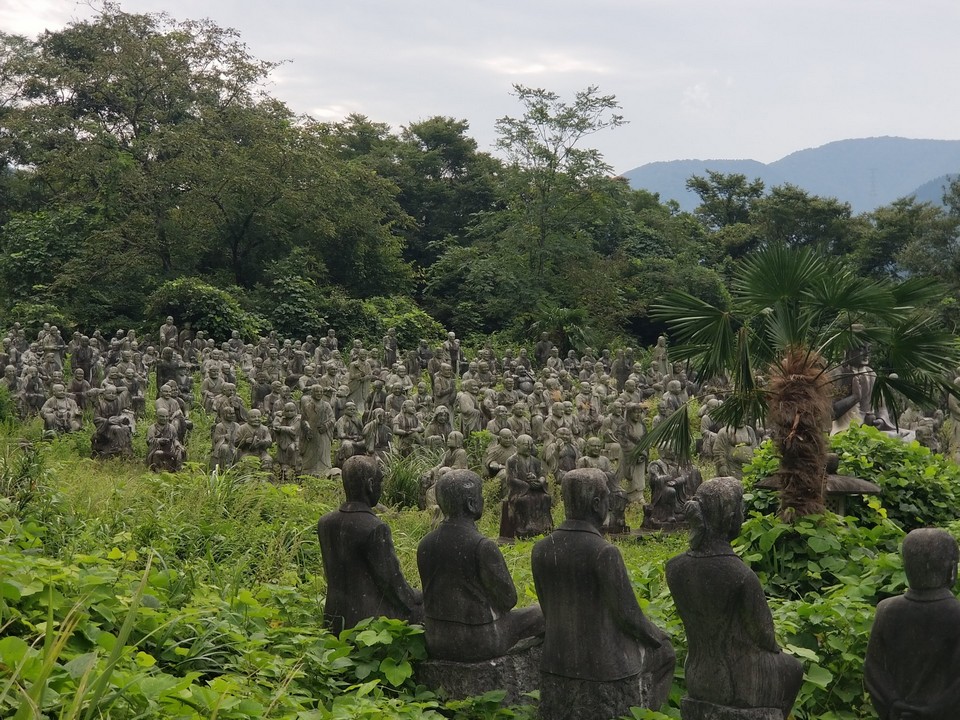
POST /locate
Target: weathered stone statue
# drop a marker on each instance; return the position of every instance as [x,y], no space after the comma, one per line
[601,655]
[445,387]
[633,467]
[223,451]
[348,429]
[363,573]
[455,458]
[287,431]
[316,417]
[526,509]
[912,668]
[390,347]
[254,440]
[468,409]
[407,429]
[561,454]
[734,668]
[541,351]
[164,450]
[615,521]
[60,413]
[468,594]
[114,433]
[377,434]
[496,456]
[733,448]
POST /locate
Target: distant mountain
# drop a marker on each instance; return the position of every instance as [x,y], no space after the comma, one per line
[932,192]
[867,172]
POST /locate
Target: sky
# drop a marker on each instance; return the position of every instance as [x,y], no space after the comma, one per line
[701,79]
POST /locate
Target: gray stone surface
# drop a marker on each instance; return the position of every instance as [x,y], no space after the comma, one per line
[517,672]
[691,709]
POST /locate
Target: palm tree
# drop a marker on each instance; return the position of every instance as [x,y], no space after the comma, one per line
[795,316]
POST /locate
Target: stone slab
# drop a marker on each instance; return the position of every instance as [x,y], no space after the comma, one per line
[691,709]
[517,673]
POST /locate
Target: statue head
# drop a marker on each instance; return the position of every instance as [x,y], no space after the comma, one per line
[557,409]
[59,391]
[508,382]
[289,411]
[567,407]
[505,437]
[586,496]
[163,417]
[227,414]
[585,388]
[254,418]
[165,391]
[316,391]
[110,393]
[715,513]
[501,411]
[78,374]
[524,445]
[441,414]
[421,388]
[229,389]
[518,409]
[930,558]
[673,387]
[593,447]
[409,407]
[455,440]
[634,411]
[343,391]
[169,319]
[565,435]
[362,480]
[460,494]
[630,386]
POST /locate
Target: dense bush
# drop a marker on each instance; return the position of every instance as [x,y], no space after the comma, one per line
[919,488]
[204,306]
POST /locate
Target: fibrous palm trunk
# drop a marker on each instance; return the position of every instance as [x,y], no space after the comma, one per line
[799,415]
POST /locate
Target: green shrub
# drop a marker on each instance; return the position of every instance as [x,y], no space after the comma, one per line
[401,313]
[401,475]
[204,306]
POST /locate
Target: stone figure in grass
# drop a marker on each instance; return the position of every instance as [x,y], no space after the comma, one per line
[468,594]
[454,458]
[316,439]
[734,666]
[287,432]
[254,440]
[348,429]
[526,509]
[363,573]
[601,655]
[223,451]
[113,434]
[445,387]
[60,412]
[498,454]
[912,668]
[407,429]
[615,521]
[164,450]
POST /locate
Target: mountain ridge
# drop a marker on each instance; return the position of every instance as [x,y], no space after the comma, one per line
[866,172]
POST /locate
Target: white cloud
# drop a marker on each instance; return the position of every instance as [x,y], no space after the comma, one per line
[542,64]
[32,17]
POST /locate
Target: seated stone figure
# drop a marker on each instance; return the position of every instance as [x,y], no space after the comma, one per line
[363,573]
[734,667]
[601,655]
[468,594]
[912,668]
[60,413]
[164,451]
[254,440]
[616,522]
[114,432]
[526,509]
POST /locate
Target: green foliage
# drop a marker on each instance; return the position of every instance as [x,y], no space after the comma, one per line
[207,308]
[918,488]
[401,313]
[401,475]
[32,315]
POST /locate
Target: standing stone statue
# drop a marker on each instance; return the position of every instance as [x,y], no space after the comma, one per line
[317,421]
[616,521]
[633,467]
[468,594]
[363,573]
[912,668]
[734,668]
[601,655]
[287,431]
[223,452]
[390,348]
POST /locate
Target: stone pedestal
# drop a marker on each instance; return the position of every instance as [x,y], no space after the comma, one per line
[691,709]
[564,698]
[517,672]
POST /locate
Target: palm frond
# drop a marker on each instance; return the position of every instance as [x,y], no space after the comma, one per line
[776,274]
[672,435]
[703,333]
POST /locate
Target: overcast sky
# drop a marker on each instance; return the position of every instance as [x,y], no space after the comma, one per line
[696,78]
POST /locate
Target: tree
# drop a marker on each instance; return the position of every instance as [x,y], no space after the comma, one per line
[792,216]
[795,314]
[725,199]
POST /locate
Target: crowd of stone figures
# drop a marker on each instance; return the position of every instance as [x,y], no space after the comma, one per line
[312,405]
[587,645]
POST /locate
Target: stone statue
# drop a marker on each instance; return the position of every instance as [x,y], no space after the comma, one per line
[633,467]
[733,448]
[316,442]
[496,456]
[468,409]
[468,594]
[445,387]
[60,413]
[223,452]
[113,435]
[561,454]
[542,350]
[254,440]
[455,458]
[377,434]
[601,655]
[734,662]
[526,509]
[164,450]
[615,521]
[287,431]
[407,429]
[363,573]
[912,668]
[390,347]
